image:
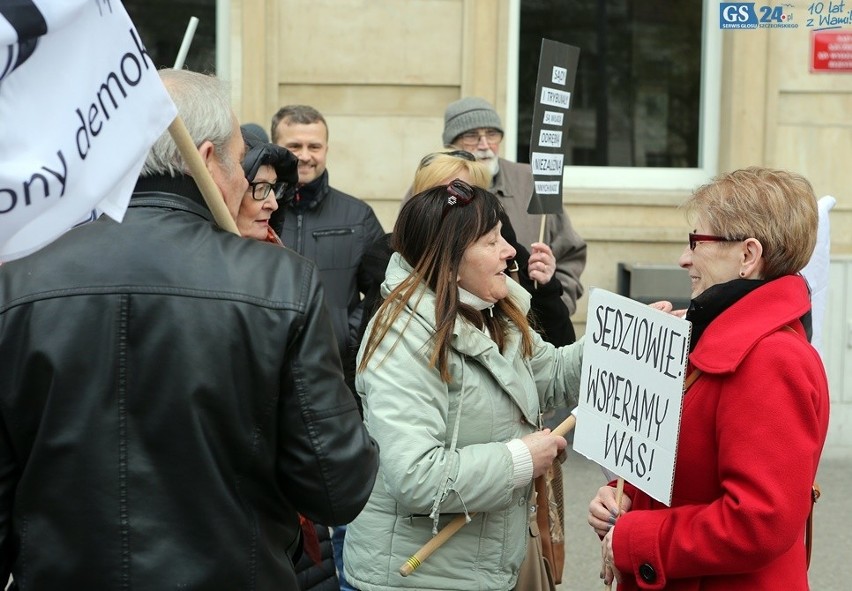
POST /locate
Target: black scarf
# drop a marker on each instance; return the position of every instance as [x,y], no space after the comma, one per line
[308,195]
[714,300]
[705,308]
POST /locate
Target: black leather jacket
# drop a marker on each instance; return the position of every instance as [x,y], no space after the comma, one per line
[170,396]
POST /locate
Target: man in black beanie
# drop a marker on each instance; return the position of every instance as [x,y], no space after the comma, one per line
[472,124]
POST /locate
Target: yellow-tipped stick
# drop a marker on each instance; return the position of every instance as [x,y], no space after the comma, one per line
[410,565]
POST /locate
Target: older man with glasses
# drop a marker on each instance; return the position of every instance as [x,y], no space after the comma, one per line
[472,124]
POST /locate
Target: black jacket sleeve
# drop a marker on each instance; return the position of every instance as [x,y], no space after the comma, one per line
[327,461]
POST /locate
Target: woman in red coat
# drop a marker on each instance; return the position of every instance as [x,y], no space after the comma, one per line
[755,418]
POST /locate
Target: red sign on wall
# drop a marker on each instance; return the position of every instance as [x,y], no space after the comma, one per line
[831,51]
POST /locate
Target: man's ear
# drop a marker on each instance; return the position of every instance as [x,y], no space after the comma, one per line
[208,153]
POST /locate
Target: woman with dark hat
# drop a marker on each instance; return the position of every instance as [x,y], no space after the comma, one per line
[271,172]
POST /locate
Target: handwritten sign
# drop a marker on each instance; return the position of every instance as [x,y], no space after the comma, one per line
[631,389]
[557,68]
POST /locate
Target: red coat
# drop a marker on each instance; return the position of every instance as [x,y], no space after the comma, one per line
[752,431]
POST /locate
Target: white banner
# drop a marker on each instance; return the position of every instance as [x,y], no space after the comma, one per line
[80,105]
[631,390]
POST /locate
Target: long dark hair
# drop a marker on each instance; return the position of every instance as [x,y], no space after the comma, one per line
[432,232]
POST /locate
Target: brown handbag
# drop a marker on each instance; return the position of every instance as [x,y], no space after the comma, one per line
[536,573]
[550,517]
[545,559]
[809,529]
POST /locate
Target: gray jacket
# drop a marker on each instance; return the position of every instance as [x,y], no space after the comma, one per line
[443,448]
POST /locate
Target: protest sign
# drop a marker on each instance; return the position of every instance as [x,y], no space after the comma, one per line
[557,68]
[631,390]
[80,104]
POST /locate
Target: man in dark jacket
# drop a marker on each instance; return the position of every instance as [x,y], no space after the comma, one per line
[171,394]
[332,229]
[326,225]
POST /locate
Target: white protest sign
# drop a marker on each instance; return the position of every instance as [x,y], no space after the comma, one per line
[631,391]
[80,105]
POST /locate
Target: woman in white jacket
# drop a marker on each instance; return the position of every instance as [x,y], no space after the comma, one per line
[453,383]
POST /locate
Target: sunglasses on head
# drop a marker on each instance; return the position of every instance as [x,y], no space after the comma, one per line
[462,154]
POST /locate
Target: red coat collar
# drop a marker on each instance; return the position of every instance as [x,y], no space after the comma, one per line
[729,338]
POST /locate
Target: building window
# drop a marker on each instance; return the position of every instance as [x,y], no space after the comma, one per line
[162,24]
[643,98]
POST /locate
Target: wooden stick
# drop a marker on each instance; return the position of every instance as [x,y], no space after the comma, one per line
[189,151]
[209,190]
[619,492]
[410,565]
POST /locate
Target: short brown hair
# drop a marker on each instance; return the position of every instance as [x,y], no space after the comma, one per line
[777,207]
[298,114]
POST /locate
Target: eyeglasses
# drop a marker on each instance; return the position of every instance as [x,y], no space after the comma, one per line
[471,138]
[696,238]
[260,190]
[458,193]
[462,154]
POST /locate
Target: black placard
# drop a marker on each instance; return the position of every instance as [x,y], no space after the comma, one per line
[557,68]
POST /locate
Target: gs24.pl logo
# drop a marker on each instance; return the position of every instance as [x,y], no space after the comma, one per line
[742,15]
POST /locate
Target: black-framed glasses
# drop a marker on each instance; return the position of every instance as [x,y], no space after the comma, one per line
[260,190]
[458,193]
[463,154]
[471,138]
[696,238]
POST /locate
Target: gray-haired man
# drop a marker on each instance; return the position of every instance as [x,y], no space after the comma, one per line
[171,393]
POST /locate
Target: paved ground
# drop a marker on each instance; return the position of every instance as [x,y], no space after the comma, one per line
[831,565]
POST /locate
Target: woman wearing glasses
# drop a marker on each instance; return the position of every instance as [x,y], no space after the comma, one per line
[755,415]
[453,382]
[270,171]
[272,174]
